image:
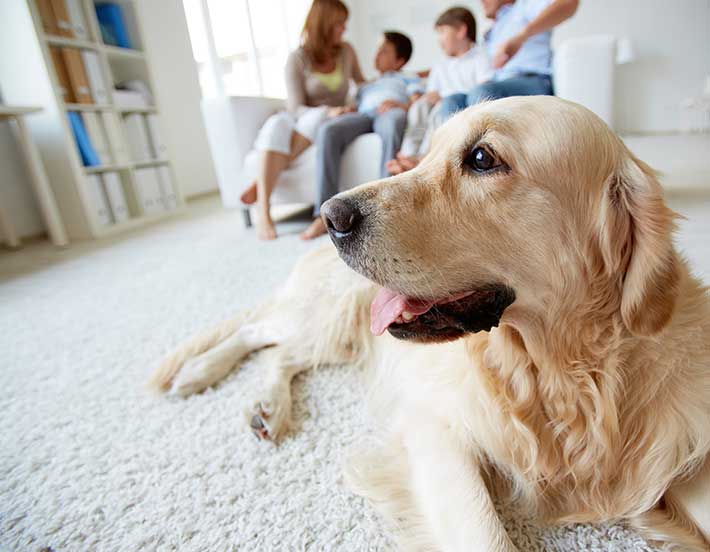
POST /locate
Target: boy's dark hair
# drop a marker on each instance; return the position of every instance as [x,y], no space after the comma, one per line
[402,44]
[455,17]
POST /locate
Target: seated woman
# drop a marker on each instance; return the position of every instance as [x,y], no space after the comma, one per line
[318,76]
[381,108]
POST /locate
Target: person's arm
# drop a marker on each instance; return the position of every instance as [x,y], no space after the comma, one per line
[554,14]
[415,87]
[392,104]
[295,85]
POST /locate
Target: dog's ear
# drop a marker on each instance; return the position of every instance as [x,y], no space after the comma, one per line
[636,229]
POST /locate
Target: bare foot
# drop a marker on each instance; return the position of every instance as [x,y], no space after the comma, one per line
[265,229]
[407,163]
[393,167]
[248,196]
[317,228]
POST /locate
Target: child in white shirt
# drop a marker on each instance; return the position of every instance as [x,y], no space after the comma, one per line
[465,66]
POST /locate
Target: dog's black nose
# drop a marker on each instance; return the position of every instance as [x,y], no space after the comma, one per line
[341,217]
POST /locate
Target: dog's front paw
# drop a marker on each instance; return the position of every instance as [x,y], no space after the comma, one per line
[268,419]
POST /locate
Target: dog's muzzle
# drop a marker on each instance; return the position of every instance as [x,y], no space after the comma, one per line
[342,219]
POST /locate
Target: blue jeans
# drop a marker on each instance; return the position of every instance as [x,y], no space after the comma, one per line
[337,134]
[524,85]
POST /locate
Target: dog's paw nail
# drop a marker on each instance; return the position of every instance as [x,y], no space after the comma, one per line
[259,428]
[257,422]
[262,435]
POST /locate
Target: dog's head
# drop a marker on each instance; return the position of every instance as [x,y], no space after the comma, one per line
[520,200]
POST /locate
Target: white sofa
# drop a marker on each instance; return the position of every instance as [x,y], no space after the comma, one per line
[232,126]
[583,73]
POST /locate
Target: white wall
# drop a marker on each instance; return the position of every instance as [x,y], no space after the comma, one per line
[167,43]
[671,42]
[672,48]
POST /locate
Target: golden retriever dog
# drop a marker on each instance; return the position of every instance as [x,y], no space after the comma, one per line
[531,331]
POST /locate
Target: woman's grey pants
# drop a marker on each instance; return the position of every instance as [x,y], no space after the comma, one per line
[338,133]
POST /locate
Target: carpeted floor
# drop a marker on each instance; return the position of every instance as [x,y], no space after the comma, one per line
[90,461]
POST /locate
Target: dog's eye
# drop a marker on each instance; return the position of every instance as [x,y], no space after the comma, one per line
[481,159]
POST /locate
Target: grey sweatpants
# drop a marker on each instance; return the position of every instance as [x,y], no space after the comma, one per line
[337,134]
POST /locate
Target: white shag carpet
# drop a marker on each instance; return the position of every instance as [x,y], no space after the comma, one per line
[91,461]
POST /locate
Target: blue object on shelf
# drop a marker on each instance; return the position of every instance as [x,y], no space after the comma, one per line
[88,154]
[113,27]
[107,35]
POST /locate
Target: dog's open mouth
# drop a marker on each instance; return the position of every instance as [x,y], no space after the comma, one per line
[439,320]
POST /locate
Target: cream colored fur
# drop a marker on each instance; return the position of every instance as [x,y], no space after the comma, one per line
[591,399]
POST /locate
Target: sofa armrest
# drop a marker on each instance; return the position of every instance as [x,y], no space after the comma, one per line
[232,124]
[584,73]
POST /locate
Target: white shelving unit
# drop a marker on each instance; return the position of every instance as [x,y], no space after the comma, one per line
[31,78]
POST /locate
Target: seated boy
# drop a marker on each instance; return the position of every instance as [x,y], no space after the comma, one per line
[381,107]
[465,66]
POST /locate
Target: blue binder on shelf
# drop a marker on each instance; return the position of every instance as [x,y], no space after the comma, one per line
[113,28]
[88,154]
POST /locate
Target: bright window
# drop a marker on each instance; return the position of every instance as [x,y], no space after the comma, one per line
[241,46]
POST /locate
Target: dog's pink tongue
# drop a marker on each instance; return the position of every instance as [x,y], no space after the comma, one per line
[389,305]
